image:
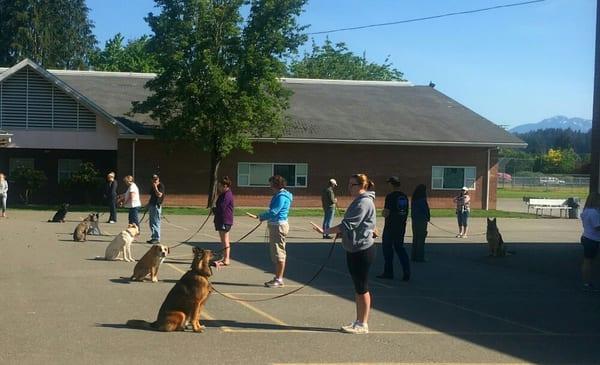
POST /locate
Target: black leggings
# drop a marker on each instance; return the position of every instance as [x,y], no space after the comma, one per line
[358,266]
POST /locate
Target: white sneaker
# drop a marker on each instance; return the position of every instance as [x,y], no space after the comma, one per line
[356,329]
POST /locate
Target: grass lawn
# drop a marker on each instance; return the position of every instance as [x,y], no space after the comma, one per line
[558,192]
[295,212]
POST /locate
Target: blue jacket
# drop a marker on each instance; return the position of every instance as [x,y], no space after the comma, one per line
[279,207]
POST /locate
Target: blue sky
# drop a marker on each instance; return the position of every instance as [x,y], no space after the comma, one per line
[513,65]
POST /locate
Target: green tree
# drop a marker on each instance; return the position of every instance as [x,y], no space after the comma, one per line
[28,180]
[53,33]
[132,57]
[337,62]
[218,86]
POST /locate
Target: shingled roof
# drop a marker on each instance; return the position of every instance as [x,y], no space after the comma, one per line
[326,111]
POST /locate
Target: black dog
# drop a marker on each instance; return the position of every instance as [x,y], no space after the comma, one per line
[59,216]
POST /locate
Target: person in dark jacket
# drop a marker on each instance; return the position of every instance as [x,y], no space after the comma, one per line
[395,213]
[110,196]
[420,216]
[223,213]
[157,196]
[328,201]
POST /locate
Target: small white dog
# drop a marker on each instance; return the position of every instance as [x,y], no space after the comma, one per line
[122,244]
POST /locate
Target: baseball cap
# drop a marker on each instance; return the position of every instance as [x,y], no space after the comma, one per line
[394,180]
[333,182]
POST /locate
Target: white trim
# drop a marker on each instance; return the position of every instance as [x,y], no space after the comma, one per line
[464,177]
[272,173]
[346,82]
[392,142]
[487,183]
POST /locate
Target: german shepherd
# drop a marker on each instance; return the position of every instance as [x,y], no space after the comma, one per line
[494,239]
[185,301]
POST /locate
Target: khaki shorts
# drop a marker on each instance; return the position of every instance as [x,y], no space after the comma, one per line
[277,234]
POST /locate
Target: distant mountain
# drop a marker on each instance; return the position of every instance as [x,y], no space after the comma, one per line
[559,121]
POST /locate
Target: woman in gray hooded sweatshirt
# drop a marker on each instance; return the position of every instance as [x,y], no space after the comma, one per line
[357,229]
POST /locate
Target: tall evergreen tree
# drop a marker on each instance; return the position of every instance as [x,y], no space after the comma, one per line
[218,87]
[53,33]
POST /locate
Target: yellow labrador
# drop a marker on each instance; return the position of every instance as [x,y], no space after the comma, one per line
[122,244]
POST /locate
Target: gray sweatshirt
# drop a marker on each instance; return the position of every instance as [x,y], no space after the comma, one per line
[359,223]
[3,187]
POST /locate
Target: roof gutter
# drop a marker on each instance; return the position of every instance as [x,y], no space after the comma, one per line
[393,142]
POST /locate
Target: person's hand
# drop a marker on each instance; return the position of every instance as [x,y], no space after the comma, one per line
[375,233]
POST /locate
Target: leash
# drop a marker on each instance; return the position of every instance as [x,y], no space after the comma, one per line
[447,231]
[284,294]
[195,233]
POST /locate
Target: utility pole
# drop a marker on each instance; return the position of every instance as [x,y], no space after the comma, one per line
[595,155]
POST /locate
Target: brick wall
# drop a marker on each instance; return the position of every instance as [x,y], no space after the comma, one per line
[185,170]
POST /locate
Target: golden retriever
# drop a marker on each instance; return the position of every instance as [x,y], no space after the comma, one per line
[185,301]
[150,262]
[122,244]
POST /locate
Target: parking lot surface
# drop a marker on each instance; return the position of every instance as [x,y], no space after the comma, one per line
[61,306]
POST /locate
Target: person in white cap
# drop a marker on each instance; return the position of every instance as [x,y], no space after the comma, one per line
[463,207]
[328,201]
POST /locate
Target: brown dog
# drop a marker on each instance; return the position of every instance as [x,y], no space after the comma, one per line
[494,239]
[150,262]
[81,231]
[186,299]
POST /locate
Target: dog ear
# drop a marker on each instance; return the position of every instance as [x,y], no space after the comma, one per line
[488,219]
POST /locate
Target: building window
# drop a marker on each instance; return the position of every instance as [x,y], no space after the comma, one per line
[258,173]
[66,168]
[452,177]
[15,163]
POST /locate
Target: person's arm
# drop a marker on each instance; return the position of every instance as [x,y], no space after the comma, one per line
[427,211]
[158,191]
[330,196]
[274,209]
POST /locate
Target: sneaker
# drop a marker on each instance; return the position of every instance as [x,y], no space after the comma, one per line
[356,328]
[464,236]
[275,283]
[111,222]
[153,242]
[459,235]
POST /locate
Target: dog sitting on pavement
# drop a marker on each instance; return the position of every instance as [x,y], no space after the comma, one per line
[185,301]
[94,228]
[150,262]
[494,239]
[82,229]
[121,244]
[61,214]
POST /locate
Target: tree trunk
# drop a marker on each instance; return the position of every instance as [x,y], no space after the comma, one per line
[215,163]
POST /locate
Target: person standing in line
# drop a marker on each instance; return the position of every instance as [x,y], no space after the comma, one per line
[110,196]
[328,201]
[420,217]
[590,239]
[131,199]
[223,216]
[277,217]
[357,230]
[395,212]
[3,194]
[463,207]
[157,196]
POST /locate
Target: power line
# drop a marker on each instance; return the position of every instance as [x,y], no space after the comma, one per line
[428,17]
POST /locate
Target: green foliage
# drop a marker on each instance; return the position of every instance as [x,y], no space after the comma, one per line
[132,57]
[53,33]
[218,85]
[558,161]
[86,175]
[541,140]
[337,62]
[28,180]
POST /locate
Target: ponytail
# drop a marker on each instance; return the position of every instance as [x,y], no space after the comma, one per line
[364,181]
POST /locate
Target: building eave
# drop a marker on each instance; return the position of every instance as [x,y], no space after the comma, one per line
[394,142]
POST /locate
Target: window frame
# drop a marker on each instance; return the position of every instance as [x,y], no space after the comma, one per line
[12,160]
[59,172]
[471,187]
[296,174]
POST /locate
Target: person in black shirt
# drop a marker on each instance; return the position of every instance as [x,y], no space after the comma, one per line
[110,196]
[395,213]
[157,195]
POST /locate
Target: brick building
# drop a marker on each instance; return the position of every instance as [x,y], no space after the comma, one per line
[58,119]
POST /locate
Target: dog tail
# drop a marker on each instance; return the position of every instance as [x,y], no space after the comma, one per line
[140,324]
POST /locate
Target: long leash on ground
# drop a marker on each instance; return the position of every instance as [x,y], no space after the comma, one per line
[331,248]
[195,233]
[447,231]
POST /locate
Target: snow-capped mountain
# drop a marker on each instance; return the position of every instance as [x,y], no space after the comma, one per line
[559,121]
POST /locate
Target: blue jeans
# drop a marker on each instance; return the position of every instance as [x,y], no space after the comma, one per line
[328,219]
[133,216]
[394,241]
[154,212]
